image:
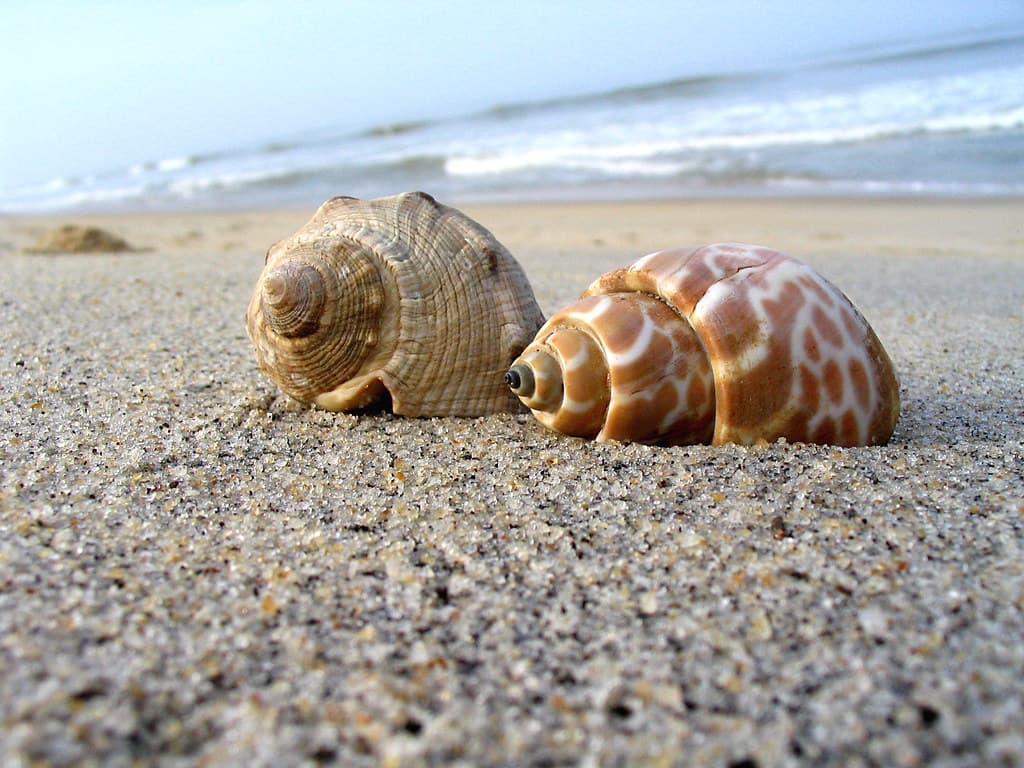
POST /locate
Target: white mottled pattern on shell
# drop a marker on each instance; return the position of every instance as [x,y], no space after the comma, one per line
[791,356]
[618,338]
[836,331]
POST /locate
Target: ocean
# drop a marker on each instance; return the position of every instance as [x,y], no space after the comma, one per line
[943,118]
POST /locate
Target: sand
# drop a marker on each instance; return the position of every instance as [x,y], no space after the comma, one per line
[195,570]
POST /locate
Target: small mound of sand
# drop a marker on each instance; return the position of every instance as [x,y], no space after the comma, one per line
[72,238]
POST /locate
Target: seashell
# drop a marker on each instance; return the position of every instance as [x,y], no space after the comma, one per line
[727,343]
[398,297]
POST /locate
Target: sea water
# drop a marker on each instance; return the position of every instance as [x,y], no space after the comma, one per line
[938,119]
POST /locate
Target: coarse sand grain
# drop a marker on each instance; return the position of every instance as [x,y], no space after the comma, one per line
[195,570]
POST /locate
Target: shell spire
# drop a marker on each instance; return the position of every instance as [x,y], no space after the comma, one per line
[724,343]
[399,297]
[293,299]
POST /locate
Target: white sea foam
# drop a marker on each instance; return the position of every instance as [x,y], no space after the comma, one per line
[55,185]
[991,101]
[935,127]
[608,160]
[189,187]
[175,163]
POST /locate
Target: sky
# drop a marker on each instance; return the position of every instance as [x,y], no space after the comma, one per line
[89,86]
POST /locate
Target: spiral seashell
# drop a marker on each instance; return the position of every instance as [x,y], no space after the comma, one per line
[727,343]
[398,297]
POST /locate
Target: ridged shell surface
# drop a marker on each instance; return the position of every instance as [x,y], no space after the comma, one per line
[398,296]
[724,343]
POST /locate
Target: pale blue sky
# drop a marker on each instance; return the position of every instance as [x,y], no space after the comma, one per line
[86,86]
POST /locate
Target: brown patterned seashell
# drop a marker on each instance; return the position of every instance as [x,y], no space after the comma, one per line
[399,296]
[727,343]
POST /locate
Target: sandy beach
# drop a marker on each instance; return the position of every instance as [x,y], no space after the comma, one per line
[196,570]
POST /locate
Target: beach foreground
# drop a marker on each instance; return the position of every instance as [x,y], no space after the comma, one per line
[194,569]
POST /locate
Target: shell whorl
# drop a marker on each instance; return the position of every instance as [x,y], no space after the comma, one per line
[317,315]
[398,297]
[627,369]
[293,299]
[766,349]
